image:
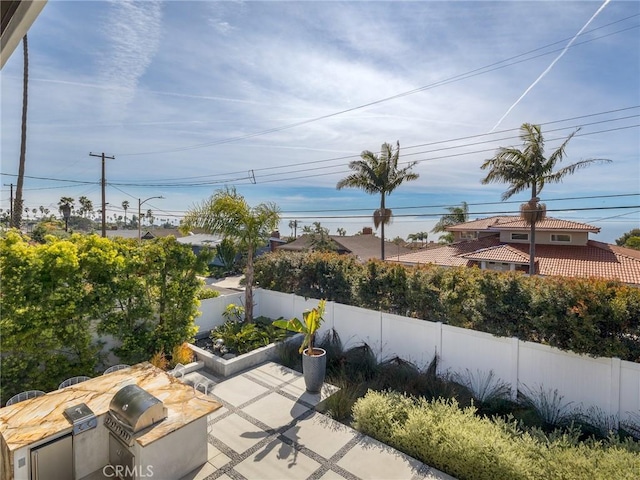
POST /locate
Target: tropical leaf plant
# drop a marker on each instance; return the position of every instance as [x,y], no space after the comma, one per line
[311,322]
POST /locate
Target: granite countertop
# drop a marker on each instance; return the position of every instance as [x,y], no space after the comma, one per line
[27,422]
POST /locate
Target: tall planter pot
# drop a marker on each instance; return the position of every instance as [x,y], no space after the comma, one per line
[314,368]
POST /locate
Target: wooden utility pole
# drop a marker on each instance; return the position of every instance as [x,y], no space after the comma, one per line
[104,198]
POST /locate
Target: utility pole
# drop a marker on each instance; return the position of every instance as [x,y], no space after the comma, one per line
[11,204]
[104,198]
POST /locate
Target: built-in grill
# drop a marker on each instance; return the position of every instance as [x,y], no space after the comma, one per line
[132,410]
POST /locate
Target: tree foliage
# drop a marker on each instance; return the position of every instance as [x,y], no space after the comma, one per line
[227,213]
[379,174]
[529,168]
[456,216]
[54,295]
[628,239]
[592,316]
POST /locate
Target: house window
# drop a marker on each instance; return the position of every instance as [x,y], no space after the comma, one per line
[520,236]
[468,235]
[561,237]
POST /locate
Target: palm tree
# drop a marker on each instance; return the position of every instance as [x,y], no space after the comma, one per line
[529,168]
[125,207]
[341,231]
[293,225]
[86,206]
[379,174]
[227,213]
[456,216]
[17,203]
[422,236]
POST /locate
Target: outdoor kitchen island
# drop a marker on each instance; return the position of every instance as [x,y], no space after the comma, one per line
[170,446]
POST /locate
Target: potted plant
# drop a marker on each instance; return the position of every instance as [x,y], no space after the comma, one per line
[314,359]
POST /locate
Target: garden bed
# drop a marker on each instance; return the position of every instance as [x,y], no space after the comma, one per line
[225,368]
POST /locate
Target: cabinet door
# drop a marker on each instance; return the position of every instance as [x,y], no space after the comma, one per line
[121,459]
[53,460]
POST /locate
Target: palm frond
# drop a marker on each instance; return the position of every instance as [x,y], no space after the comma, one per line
[382,216]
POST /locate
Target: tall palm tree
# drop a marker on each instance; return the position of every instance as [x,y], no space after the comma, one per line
[529,168]
[227,213]
[17,203]
[125,207]
[379,174]
[293,225]
[421,236]
[456,216]
[86,206]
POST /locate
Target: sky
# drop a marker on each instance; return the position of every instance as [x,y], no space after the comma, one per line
[276,98]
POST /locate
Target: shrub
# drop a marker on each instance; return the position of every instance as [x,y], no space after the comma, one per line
[181,354]
[549,406]
[289,355]
[455,440]
[485,387]
[591,316]
[205,293]
[159,360]
[240,338]
[339,405]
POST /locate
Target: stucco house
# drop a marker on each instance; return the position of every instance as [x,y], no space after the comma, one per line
[563,248]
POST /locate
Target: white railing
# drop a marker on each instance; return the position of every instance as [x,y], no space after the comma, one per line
[610,384]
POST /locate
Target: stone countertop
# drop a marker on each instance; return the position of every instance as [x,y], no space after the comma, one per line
[27,422]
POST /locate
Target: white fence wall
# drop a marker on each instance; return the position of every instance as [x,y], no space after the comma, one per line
[609,384]
[211,311]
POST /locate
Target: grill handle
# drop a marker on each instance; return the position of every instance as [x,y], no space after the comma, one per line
[122,424]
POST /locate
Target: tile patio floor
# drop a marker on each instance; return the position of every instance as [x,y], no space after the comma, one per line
[268,429]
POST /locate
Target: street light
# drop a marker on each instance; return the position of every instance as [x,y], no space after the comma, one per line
[66,213]
[140,203]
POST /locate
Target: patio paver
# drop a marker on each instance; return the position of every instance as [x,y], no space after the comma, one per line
[268,429]
[277,461]
[275,410]
[237,433]
[320,434]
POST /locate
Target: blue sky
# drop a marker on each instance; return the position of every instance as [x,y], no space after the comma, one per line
[192,96]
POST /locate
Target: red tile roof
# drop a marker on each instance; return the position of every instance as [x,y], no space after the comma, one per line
[515,223]
[500,253]
[480,224]
[449,255]
[596,259]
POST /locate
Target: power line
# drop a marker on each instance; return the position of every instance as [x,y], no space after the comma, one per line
[314,162]
[252,177]
[455,78]
[491,213]
[473,204]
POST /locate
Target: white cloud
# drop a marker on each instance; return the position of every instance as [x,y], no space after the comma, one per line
[133,32]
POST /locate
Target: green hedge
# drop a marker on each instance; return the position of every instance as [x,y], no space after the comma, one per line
[591,316]
[469,447]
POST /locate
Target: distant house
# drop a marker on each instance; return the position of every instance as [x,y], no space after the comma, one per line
[198,241]
[144,234]
[364,247]
[501,243]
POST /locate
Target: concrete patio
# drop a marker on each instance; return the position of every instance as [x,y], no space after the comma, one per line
[268,429]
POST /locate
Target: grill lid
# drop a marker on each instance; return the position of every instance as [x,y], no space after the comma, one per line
[137,408]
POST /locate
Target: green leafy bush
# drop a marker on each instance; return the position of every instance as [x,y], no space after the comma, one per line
[591,316]
[460,443]
[205,293]
[240,338]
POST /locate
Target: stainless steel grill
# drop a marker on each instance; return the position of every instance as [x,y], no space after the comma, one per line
[132,410]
